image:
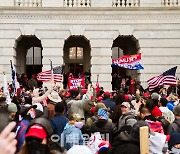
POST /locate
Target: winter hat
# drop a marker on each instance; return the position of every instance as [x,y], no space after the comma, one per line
[102,114]
[174,139]
[155,95]
[176,110]
[80,149]
[12,107]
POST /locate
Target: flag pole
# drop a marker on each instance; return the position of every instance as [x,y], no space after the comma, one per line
[52,74]
[97,77]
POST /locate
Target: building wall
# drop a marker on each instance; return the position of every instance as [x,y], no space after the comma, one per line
[157,30]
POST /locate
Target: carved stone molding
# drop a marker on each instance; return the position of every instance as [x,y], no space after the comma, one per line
[157,16]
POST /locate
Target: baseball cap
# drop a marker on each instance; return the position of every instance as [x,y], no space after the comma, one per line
[126,104]
[36,131]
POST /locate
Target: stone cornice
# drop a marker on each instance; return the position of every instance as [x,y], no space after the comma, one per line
[85,14]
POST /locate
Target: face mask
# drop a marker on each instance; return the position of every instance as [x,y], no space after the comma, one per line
[175,150]
[32,114]
[78,124]
[37,148]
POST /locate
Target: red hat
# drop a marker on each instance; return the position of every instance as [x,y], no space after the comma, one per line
[107,93]
[36,131]
[99,98]
[156,112]
[84,91]
[126,97]
[146,95]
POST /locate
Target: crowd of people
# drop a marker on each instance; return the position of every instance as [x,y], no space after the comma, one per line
[54,120]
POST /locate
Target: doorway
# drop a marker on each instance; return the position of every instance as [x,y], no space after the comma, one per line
[76,69]
[29,55]
[123,45]
[77,55]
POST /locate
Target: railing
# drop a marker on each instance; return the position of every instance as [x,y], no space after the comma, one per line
[125,3]
[28,3]
[170,2]
[77,3]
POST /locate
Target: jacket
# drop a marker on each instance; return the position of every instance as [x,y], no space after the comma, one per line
[21,128]
[58,123]
[125,144]
[77,106]
[104,127]
[71,136]
[127,119]
[175,126]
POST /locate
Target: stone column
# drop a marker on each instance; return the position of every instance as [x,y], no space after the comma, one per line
[53,50]
[101,62]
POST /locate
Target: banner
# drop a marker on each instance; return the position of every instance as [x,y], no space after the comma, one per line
[129,62]
[74,82]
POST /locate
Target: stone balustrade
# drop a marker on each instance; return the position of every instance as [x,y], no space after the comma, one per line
[91,3]
[77,3]
[28,3]
[170,2]
[125,3]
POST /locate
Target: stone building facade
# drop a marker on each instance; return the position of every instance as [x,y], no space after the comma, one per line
[99,27]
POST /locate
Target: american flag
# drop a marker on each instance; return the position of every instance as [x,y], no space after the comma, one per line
[166,78]
[46,75]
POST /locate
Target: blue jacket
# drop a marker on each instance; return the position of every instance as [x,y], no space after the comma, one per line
[71,136]
[21,128]
[109,104]
[58,123]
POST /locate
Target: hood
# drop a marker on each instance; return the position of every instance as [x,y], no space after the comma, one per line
[101,123]
[69,128]
[131,112]
[123,137]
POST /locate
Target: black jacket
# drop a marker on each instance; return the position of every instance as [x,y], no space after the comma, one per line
[125,144]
